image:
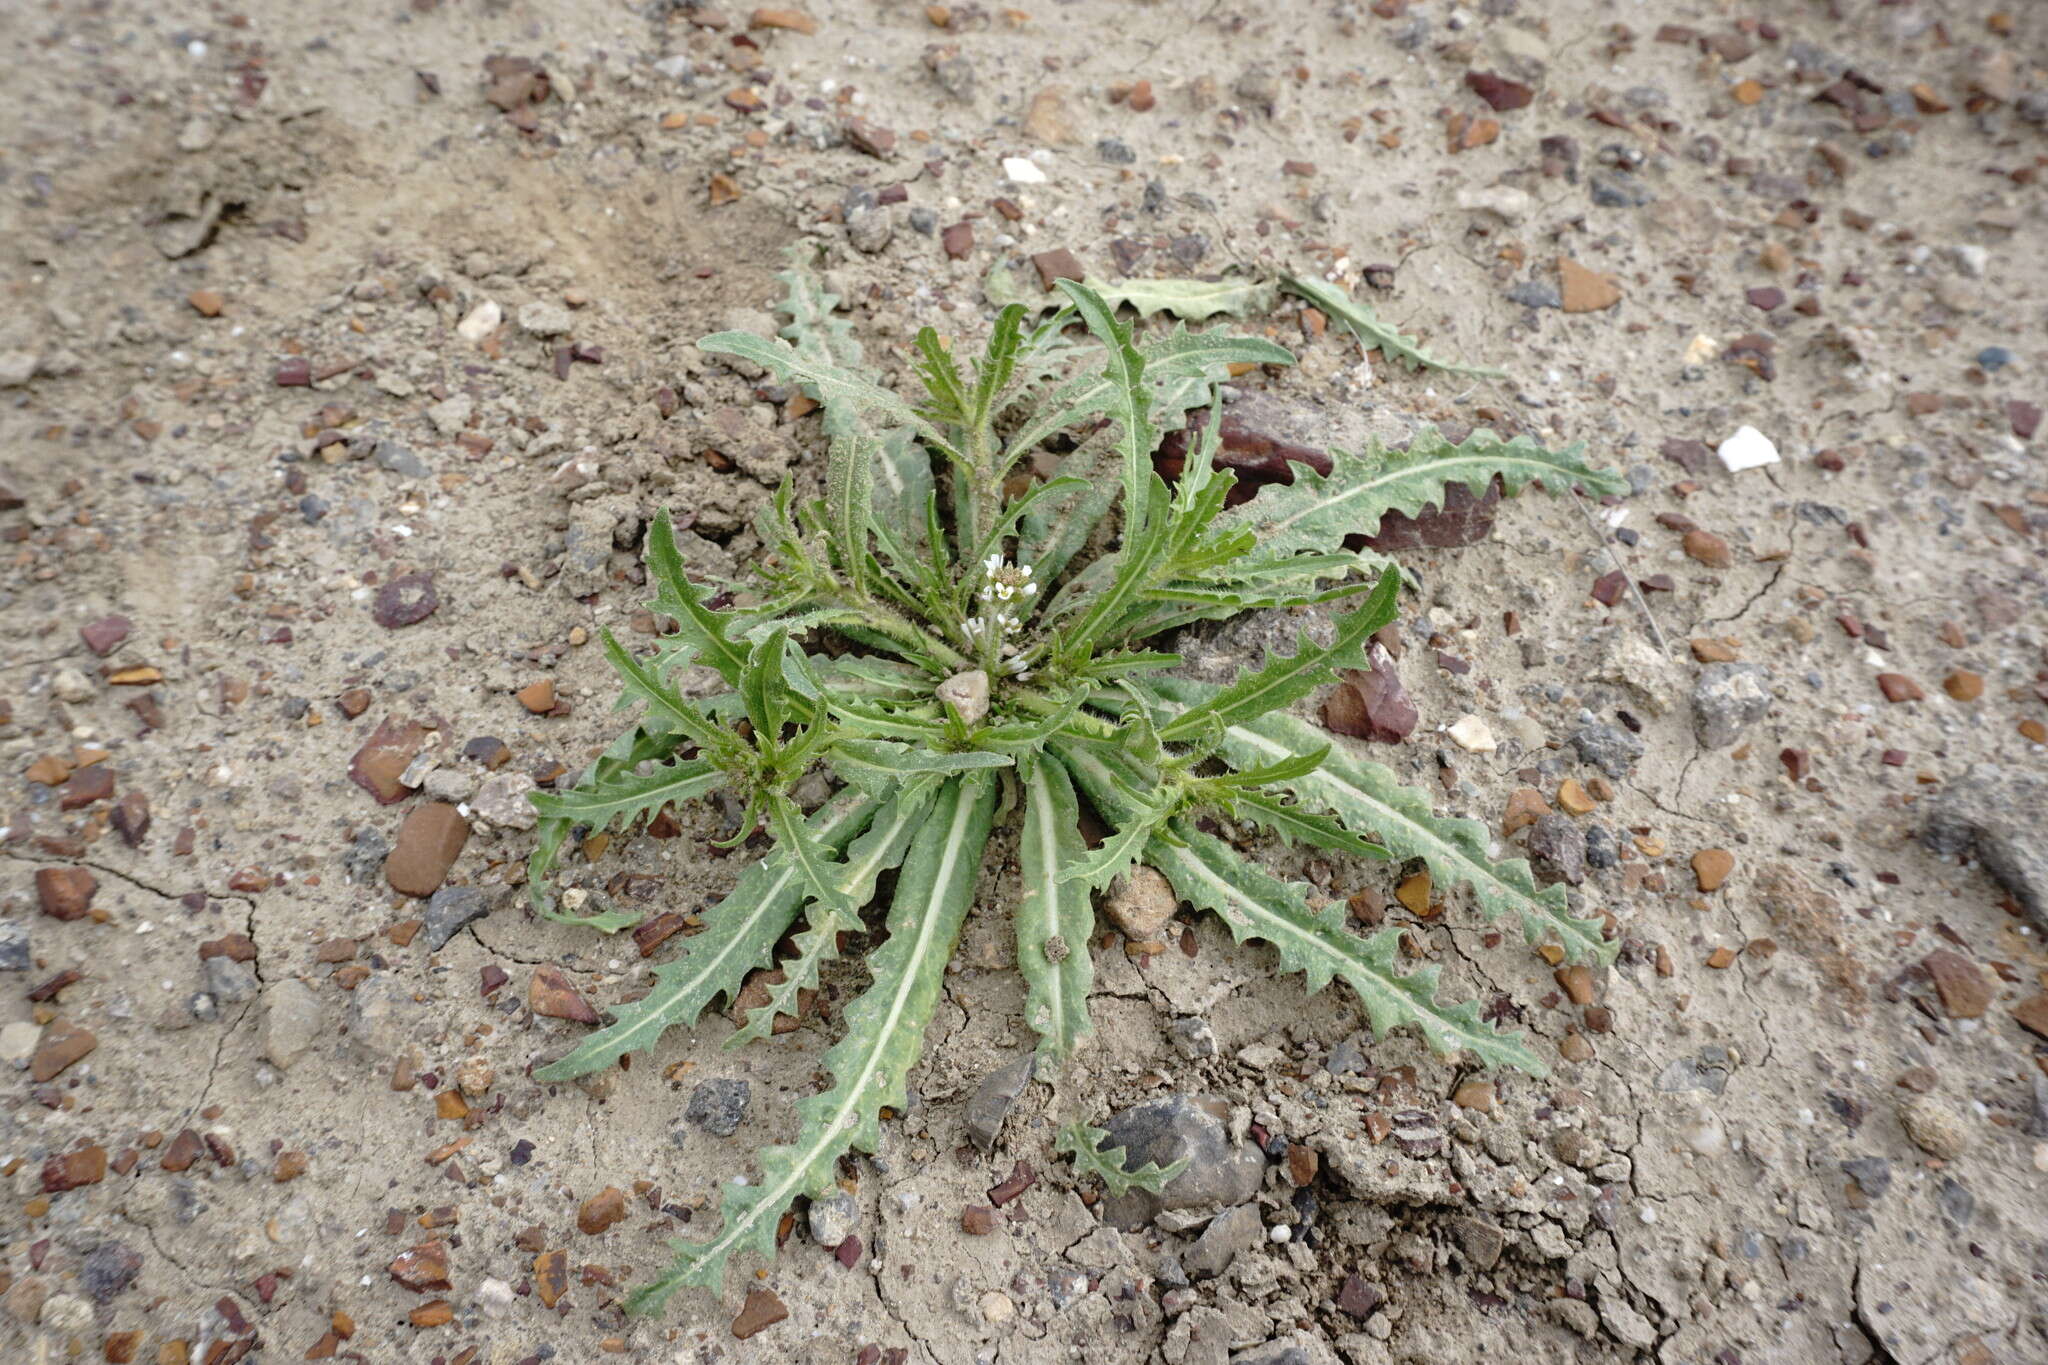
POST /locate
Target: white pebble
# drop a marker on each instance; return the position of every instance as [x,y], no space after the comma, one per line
[1472,735]
[1748,448]
[1022,171]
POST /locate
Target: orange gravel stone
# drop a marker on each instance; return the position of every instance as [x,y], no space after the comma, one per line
[1963,685]
[1711,866]
[1897,687]
[1721,959]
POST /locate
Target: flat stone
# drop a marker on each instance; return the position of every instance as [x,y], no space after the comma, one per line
[552,995]
[383,758]
[294,1018]
[1583,290]
[1709,549]
[65,893]
[1711,866]
[405,601]
[1897,687]
[16,954]
[1558,844]
[1234,1232]
[761,1311]
[1371,704]
[1046,120]
[1748,448]
[1526,806]
[538,697]
[601,1210]
[429,842]
[1141,904]
[450,908]
[1965,991]
[422,1269]
[1994,813]
[105,635]
[1219,1172]
[1057,265]
[87,1166]
[131,818]
[998,1091]
[1728,699]
[503,801]
[1934,1127]
[64,1043]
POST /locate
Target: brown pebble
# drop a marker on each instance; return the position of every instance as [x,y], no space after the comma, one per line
[65,892]
[288,1167]
[1572,798]
[423,1269]
[794,20]
[2032,1014]
[1583,290]
[131,818]
[1721,959]
[1711,866]
[1475,1094]
[1057,265]
[601,1210]
[1576,981]
[1709,549]
[958,240]
[1963,685]
[87,1166]
[1303,1162]
[428,844]
[1965,993]
[186,1148]
[761,1311]
[551,1277]
[538,697]
[382,760]
[206,302]
[977,1220]
[353,702]
[553,996]
[86,786]
[1897,687]
[105,635]
[438,1313]
[63,1044]
[1526,806]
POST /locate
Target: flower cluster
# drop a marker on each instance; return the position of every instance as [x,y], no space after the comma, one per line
[1005,594]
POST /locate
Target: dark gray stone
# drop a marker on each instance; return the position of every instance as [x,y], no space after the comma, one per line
[1995,813]
[718,1105]
[229,982]
[1559,847]
[1619,190]
[1536,294]
[1873,1174]
[1115,153]
[364,859]
[1726,701]
[1345,1058]
[993,1097]
[1219,1171]
[107,1270]
[450,908]
[401,459]
[1600,848]
[14,949]
[1192,1037]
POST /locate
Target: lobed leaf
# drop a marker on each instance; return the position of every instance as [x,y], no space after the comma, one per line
[707,631]
[1193,300]
[1359,318]
[1084,1145]
[884,1032]
[1055,918]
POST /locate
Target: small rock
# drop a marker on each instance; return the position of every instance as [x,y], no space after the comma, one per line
[429,842]
[105,635]
[761,1311]
[1934,1127]
[1525,807]
[1708,549]
[70,685]
[1727,700]
[967,695]
[601,1210]
[405,601]
[718,1105]
[1897,687]
[1711,866]
[1473,735]
[65,893]
[107,1271]
[422,1269]
[15,954]
[1965,992]
[1558,843]
[451,415]
[1748,448]
[544,318]
[832,1219]
[998,1090]
[1045,119]
[1235,1231]
[1220,1172]
[229,981]
[447,911]
[1994,813]
[1583,290]
[1022,170]
[293,1020]
[502,801]
[1192,1037]
[1503,201]
[1370,703]
[18,1042]
[552,995]
[480,321]
[1141,903]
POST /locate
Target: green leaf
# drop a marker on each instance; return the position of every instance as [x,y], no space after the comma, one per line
[1316,512]
[1110,1165]
[813,859]
[599,804]
[740,934]
[1369,798]
[1254,904]
[876,764]
[1055,918]
[1286,679]
[1358,317]
[884,1032]
[1128,403]
[812,328]
[665,704]
[829,383]
[941,378]
[707,631]
[997,364]
[1192,299]
[849,501]
[1293,825]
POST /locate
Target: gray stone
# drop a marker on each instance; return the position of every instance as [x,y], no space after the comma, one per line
[1536,294]
[587,548]
[1558,845]
[1234,1231]
[1995,814]
[1726,701]
[1482,1241]
[14,948]
[1272,1353]
[1576,1314]
[400,459]
[832,1220]
[1872,1174]
[868,224]
[108,1269]
[1115,153]
[16,368]
[228,981]
[542,318]
[1345,1058]
[1619,190]
[1192,1037]
[1220,1171]
[718,1105]
[450,908]
[293,1020]
[381,1016]
[451,415]
[363,862]
[993,1097]
[502,801]
[1609,748]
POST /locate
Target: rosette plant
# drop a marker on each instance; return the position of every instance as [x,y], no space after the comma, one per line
[962,643]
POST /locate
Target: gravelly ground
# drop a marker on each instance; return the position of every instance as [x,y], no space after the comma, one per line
[1803,1119]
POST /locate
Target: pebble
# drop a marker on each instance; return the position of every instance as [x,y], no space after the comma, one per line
[480,321]
[761,1311]
[1727,700]
[1472,734]
[105,635]
[1046,121]
[601,1210]
[1583,290]
[551,995]
[1558,843]
[63,1045]
[70,685]
[451,415]
[1022,171]
[545,318]
[1897,687]
[1141,903]
[405,601]
[1748,448]
[1609,748]
[1219,1171]
[447,911]
[832,1219]
[502,801]
[1964,990]
[429,842]
[1231,1233]
[719,1105]
[65,893]
[1708,549]
[293,1020]
[18,1042]
[1526,806]
[1711,866]
[1503,201]
[998,1091]
[1934,1127]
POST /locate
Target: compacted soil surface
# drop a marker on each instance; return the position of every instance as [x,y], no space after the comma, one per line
[347,350]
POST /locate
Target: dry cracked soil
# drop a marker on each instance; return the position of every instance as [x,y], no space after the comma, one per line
[347,351]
